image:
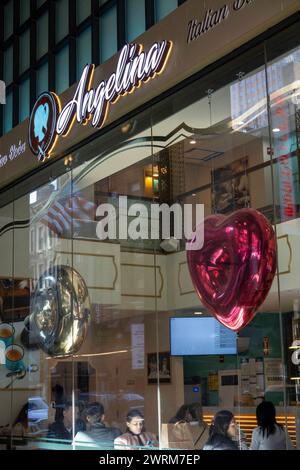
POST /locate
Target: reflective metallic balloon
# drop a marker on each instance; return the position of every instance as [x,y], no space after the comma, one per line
[233,272]
[60,311]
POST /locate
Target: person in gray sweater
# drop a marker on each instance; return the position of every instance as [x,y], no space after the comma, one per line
[269,435]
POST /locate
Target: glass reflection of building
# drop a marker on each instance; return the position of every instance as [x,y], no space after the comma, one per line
[227,138]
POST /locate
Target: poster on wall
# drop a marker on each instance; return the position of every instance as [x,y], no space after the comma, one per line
[14,299]
[230,187]
[274,377]
[164,368]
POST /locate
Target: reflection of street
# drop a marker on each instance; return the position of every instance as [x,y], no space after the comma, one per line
[231,187]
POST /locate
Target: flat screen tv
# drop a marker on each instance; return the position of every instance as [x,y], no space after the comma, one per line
[196,336]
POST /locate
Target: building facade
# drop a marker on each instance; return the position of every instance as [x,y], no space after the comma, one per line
[103,301]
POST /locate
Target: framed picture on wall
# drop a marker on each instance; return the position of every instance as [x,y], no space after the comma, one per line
[163,368]
[14,299]
[230,187]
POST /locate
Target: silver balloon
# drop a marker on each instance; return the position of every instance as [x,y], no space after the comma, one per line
[60,311]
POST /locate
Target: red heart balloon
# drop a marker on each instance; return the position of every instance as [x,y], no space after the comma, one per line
[233,272]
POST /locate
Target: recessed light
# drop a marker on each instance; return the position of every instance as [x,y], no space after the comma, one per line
[276,129]
[193,142]
[194,195]
[198,313]
[156,175]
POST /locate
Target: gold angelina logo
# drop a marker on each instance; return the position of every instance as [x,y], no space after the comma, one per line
[135,67]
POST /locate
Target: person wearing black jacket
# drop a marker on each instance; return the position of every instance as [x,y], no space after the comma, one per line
[98,434]
[62,427]
[222,432]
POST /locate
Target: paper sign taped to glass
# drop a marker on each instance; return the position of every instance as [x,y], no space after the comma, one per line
[274,377]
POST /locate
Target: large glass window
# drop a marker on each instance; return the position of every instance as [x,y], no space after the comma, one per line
[42,79]
[24,99]
[8,19]
[8,65]
[8,113]
[39,3]
[84,50]
[83,10]
[24,51]
[61,19]
[62,70]
[24,10]
[141,322]
[135,18]
[42,35]
[108,34]
[164,7]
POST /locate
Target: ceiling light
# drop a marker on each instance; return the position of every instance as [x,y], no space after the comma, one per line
[198,313]
[276,129]
[126,127]
[110,353]
[193,142]
[194,195]
[156,175]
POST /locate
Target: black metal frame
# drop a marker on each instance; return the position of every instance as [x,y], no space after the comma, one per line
[53,48]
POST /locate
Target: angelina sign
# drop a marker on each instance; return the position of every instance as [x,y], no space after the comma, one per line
[214,17]
[135,67]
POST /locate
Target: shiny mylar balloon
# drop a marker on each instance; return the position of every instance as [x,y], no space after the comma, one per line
[233,272]
[60,311]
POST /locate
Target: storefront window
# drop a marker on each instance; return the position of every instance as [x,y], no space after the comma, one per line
[107,313]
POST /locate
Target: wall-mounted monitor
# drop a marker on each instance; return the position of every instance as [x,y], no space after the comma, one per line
[196,336]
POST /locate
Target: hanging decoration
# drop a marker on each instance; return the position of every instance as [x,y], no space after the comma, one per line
[60,311]
[233,272]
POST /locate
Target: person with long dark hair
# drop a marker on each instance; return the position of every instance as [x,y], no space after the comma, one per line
[269,435]
[98,435]
[222,432]
[136,436]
